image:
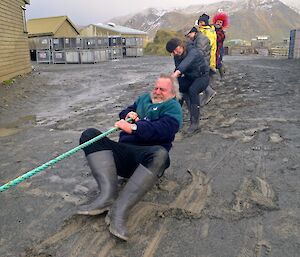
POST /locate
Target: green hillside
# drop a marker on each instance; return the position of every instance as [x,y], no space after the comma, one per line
[158,46]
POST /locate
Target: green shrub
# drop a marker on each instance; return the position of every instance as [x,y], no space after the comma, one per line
[158,46]
[8,82]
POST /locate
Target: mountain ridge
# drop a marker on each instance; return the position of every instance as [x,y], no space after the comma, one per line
[248,18]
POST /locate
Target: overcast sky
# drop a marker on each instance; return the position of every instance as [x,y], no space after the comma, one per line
[84,12]
[94,11]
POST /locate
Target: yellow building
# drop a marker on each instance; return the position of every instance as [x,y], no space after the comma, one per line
[60,26]
[111,29]
[14,50]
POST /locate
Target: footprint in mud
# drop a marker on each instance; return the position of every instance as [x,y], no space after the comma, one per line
[191,200]
[245,135]
[254,243]
[228,122]
[275,138]
[83,235]
[189,204]
[253,196]
[204,231]
[262,249]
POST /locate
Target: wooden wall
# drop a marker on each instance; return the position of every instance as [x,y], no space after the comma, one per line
[66,30]
[14,50]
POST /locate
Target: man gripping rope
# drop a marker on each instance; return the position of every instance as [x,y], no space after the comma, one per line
[141,155]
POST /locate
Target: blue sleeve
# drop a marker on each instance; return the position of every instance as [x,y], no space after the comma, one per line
[131,108]
[161,130]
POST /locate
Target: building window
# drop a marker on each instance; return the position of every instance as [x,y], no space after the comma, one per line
[24,19]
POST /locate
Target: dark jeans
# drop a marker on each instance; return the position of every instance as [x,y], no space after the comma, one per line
[220,58]
[128,157]
[193,87]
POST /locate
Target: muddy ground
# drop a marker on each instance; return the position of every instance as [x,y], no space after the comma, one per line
[232,190]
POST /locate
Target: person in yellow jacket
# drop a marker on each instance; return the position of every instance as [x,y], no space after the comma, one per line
[210,33]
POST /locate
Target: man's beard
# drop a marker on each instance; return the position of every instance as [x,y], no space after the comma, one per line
[155,100]
[159,100]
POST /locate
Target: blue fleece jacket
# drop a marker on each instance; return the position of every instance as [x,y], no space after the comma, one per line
[158,124]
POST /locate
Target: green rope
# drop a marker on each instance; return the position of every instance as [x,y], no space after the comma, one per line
[44,166]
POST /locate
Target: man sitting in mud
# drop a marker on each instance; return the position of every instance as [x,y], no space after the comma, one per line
[140,155]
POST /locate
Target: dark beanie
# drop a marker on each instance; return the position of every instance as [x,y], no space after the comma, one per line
[204,17]
[172,44]
[193,29]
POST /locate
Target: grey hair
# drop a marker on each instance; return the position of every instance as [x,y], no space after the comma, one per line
[175,85]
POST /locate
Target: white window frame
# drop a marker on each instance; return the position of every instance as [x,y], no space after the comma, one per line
[25,30]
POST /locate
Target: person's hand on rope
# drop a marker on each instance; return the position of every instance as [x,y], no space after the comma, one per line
[124,125]
[133,116]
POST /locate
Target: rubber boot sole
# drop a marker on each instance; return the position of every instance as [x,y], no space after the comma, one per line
[115,233]
[107,219]
[194,132]
[211,97]
[93,212]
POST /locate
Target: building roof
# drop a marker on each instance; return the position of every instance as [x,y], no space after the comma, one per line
[120,29]
[47,26]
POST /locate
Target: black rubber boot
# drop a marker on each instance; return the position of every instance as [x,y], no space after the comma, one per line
[209,93]
[222,72]
[187,100]
[137,186]
[195,114]
[102,165]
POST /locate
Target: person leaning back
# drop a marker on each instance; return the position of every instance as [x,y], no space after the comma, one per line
[141,155]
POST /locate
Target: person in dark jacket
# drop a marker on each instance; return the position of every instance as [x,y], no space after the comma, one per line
[140,155]
[202,43]
[192,72]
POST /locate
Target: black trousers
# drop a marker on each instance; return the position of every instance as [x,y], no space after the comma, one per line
[127,156]
[193,87]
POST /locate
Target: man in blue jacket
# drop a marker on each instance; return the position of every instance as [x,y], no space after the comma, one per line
[140,155]
[192,72]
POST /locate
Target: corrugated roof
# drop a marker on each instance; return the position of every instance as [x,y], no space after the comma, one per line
[47,26]
[120,29]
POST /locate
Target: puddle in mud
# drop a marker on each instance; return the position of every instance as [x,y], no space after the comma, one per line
[17,126]
[5,132]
